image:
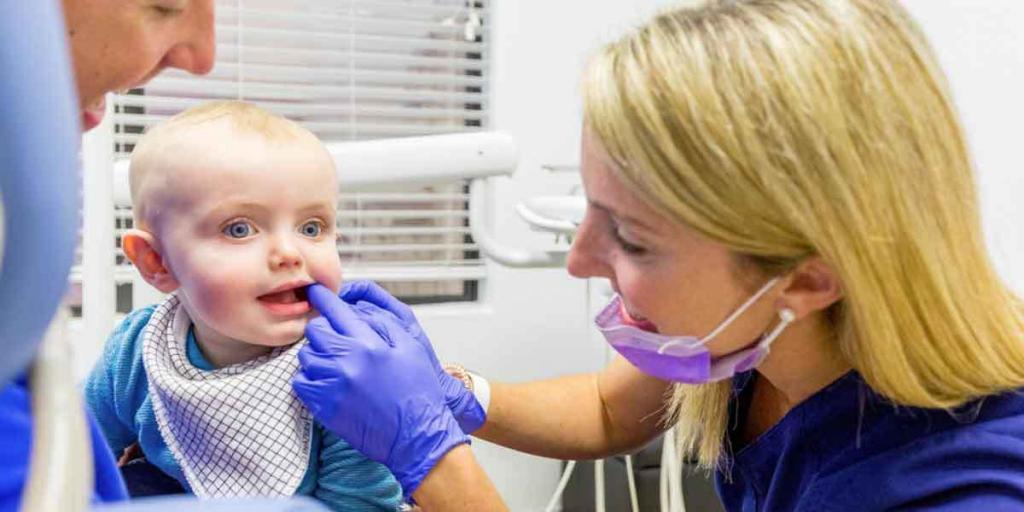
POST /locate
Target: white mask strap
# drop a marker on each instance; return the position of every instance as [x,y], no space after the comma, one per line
[739,311]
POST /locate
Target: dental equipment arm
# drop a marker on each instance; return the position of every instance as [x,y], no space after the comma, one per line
[369,165]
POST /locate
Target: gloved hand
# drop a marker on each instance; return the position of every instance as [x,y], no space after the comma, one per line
[378,393]
[461,401]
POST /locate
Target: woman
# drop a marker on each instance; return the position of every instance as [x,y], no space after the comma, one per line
[780,185]
[115,44]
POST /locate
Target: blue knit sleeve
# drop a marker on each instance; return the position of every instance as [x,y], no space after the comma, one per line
[117,385]
[348,481]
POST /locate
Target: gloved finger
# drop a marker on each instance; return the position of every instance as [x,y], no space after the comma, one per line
[372,316]
[371,310]
[325,340]
[316,366]
[316,396]
[318,331]
[397,333]
[337,312]
[369,291]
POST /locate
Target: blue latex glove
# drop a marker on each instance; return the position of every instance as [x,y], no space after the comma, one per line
[377,392]
[463,404]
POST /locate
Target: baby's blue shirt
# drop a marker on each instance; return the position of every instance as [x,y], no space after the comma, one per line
[117,392]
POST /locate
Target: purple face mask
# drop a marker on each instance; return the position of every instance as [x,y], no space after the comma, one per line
[684,358]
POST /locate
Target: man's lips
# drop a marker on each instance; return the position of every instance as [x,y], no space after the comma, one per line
[92,115]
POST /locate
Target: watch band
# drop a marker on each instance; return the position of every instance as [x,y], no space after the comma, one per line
[475,383]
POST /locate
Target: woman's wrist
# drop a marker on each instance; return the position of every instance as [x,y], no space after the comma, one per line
[458,483]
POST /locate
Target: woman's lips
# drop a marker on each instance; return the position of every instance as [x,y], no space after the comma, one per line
[290,302]
[639,323]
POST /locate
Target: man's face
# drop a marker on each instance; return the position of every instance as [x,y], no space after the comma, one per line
[121,44]
[244,226]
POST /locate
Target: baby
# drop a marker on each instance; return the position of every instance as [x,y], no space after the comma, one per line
[234,216]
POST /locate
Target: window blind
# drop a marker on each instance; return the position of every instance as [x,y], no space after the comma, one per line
[352,70]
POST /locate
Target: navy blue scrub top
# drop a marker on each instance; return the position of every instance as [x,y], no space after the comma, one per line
[16,442]
[848,449]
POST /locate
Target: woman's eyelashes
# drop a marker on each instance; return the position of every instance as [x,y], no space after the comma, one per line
[626,245]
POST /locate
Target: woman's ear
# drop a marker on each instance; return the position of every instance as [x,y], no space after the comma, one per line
[140,247]
[812,286]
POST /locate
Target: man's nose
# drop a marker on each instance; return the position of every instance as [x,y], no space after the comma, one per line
[196,49]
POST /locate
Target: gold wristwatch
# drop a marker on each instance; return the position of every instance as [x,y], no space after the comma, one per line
[459,372]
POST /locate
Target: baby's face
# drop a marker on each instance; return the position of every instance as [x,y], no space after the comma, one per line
[246,226]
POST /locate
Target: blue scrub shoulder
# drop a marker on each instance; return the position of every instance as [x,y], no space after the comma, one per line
[847,448]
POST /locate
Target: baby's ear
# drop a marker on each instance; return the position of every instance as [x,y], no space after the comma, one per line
[140,247]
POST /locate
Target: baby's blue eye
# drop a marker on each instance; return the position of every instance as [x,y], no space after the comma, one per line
[312,228]
[238,229]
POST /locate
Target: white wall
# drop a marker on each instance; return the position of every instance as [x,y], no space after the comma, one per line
[980,44]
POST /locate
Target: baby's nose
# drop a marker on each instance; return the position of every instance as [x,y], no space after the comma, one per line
[285,255]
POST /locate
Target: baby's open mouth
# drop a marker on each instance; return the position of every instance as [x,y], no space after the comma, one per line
[289,296]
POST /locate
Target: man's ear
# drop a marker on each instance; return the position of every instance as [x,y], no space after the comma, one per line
[140,247]
[812,286]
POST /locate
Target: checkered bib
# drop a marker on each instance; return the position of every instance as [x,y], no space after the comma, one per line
[235,431]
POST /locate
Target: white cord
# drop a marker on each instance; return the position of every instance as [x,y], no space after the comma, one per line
[599,486]
[663,477]
[634,503]
[61,467]
[561,487]
[671,478]
[675,485]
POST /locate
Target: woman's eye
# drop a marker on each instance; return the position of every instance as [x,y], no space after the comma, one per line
[626,246]
[167,9]
[239,229]
[312,229]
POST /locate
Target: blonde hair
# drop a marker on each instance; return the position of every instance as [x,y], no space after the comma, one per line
[244,117]
[789,128]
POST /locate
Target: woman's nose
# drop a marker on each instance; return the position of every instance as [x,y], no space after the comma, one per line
[587,256]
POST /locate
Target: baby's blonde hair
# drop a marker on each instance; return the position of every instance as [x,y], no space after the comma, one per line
[790,128]
[244,117]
